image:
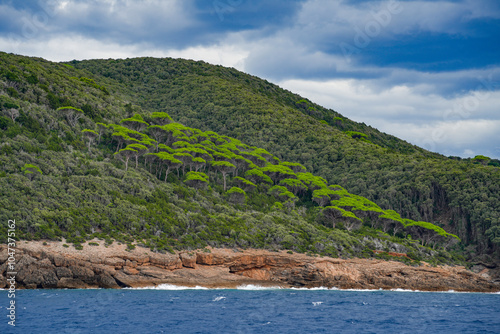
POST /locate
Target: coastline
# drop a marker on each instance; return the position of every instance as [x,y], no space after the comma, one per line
[55,266]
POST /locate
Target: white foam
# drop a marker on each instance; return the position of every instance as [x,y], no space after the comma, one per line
[253,287]
[216,299]
[314,289]
[169,287]
[317,303]
[405,290]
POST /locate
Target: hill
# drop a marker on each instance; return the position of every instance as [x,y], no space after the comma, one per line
[262,133]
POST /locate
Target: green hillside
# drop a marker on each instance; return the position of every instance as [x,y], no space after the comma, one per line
[178,154]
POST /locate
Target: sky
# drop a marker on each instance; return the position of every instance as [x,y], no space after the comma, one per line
[425,71]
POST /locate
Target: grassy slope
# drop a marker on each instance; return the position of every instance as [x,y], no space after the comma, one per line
[211,98]
[456,194]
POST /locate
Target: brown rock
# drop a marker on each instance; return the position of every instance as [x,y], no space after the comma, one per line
[137,257]
[50,278]
[211,259]
[124,280]
[63,272]
[153,272]
[57,266]
[25,273]
[257,274]
[83,273]
[167,261]
[35,278]
[130,271]
[107,282]
[131,264]
[100,269]
[4,255]
[188,260]
[63,261]
[25,261]
[46,263]
[116,262]
[71,283]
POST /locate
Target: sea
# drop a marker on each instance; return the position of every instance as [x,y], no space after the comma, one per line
[249,309]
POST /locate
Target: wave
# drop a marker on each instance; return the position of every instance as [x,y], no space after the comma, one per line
[253,287]
[169,287]
[322,288]
[217,299]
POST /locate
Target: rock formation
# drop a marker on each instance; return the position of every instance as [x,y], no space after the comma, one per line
[54,266]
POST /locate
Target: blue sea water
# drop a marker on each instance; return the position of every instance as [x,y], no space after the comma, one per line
[250,309]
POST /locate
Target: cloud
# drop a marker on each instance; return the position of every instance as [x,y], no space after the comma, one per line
[125,22]
[465,138]
[392,64]
[446,125]
[79,47]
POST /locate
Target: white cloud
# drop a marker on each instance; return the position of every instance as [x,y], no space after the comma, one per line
[226,55]
[446,125]
[123,22]
[65,48]
[337,18]
[75,47]
[410,104]
[118,17]
[465,138]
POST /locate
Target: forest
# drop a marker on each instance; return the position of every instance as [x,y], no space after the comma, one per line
[176,154]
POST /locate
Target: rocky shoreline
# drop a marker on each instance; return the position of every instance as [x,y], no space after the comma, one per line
[53,265]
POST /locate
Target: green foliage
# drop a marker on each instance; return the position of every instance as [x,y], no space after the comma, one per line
[282,193]
[88,131]
[4,123]
[244,183]
[92,83]
[356,134]
[236,190]
[258,176]
[237,195]
[293,185]
[161,117]
[481,159]
[155,204]
[222,164]
[197,176]
[30,168]
[69,108]
[295,166]
[311,181]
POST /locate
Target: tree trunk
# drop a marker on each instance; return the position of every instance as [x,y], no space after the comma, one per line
[166,173]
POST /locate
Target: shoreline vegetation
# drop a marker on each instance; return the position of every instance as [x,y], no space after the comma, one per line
[51,265]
